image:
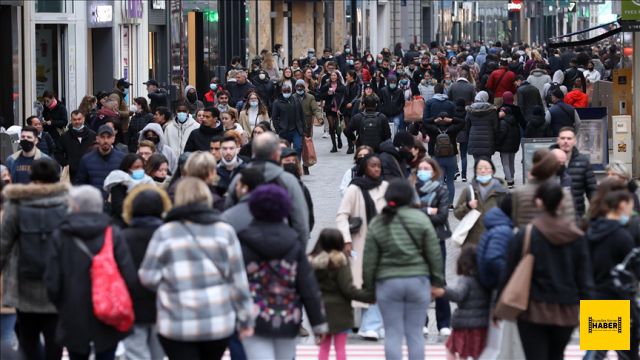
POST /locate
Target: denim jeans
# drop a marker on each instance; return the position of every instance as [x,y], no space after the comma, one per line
[508,165]
[403,303]
[443,308]
[143,343]
[463,160]
[295,139]
[263,347]
[371,319]
[398,122]
[448,165]
[8,339]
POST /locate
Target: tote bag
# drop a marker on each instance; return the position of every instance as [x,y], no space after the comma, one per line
[461,231]
[309,157]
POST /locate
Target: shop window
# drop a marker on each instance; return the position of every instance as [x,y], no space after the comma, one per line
[47,58]
[50,6]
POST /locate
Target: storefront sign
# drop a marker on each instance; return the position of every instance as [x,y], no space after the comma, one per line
[158,4]
[630,26]
[631,10]
[134,9]
[514,5]
[100,14]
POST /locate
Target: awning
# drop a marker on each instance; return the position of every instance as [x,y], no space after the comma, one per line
[586,36]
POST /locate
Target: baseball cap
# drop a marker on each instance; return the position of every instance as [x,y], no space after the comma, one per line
[152,82]
[123,82]
[105,129]
[286,152]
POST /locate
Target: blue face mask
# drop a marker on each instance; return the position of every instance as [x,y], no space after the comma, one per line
[404,82]
[483,179]
[137,174]
[424,175]
[213,87]
[182,117]
[392,86]
[624,219]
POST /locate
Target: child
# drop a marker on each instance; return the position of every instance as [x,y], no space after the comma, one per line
[470,320]
[332,270]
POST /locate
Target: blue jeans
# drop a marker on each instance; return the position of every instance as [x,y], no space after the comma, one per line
[236,350]
[8,339]
[295,139]
[463,159]
[371,319]
[448,165]
[398,122]
[443,308]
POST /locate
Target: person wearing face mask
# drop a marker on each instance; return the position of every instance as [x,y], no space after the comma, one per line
[310,111]
[19,163]
[46,144]
[177,131]
[191,96]
[253,112]
[75,143]
[291,163]
[395,155]
[214,89]
[341,59]
[121,181]
[54,115]
[392,101]
[264,88]
[288,117]
[122,90]
[157,167]
[141,117]
[153,132]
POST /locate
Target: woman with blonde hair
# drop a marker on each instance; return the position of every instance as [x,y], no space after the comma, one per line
[312,84]
[270,66]
[88,106]
[202,165]
[253,112]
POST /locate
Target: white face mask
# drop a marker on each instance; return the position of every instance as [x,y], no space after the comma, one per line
[262,76]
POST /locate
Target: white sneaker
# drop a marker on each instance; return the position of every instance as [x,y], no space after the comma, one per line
[369,335]
[425,331]
[325,135]
[445,331]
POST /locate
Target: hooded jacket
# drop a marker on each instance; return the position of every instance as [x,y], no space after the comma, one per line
[199,139]
[609,242]
[68,280]
[193,106]
[392,102]
[266,245]
[462,89]
[162,146]
[528,96]
[177,134]
[481,127]
[473,301]
[508,139]
[539,78]
[26,295]
[577,99]
[137,123]
[492,248]
[393,165]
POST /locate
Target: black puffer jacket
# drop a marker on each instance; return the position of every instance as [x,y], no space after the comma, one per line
[482,127]
[528,97]
[583,181]
[508,140]
[137,123]
[393,165]
[392,102]
[473,303]
[536,127]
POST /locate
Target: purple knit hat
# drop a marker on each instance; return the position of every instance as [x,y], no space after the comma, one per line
[270,203]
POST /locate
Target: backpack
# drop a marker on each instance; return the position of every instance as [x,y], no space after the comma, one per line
[109,294]
[547,97]
[36,226]
[370,133]
[443,145]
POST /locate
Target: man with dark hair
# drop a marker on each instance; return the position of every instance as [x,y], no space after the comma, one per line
[19,163]
[75,143]
[200,138]
[371,126]
[97,164]
[230,163]
[288,117]
[239,89]
[215,147]
[561,114]
[395,155]
[158,96]
[462,88]
[162,115]
[239,216]
[46,144]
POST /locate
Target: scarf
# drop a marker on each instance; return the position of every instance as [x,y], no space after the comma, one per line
[428,192]
[365,184]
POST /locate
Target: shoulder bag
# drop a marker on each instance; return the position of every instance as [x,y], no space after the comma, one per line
[460,233]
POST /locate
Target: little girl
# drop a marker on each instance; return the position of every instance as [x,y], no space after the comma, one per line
[332,270]
[470,320]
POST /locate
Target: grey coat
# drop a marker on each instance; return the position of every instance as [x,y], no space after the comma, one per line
[23,294]
[473,303]
[239,216]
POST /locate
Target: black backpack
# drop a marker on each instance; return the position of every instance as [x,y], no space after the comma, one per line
[370,133]
[36,226]
[443,147]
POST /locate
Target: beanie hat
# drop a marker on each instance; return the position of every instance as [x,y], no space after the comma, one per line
[301,82]
[507,97]
[403,138]
[482,96]
[270,203]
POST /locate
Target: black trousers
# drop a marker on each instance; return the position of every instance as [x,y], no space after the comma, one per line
[544,341]
[194,350]
[29,326]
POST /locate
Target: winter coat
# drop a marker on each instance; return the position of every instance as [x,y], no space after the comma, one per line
[46,144]
[269,247]
[352,205]
[577,99]
[248,124]
[238,92]
[94,168]
[239,216]
[265,90]
[497,191]
[392,102]
[609,243]
[506,82]
[334,277]
[391,250]
[523,209]
[193,106]
[436,105]
[200,138]
[570,77]
[462,89]
[176,134]
[203,294]
[492,248]
[136,124]
[583,181]
[393,165]
[461,115]
[334,101]
[311,110]
[528,96]
[26,295]
[59,120]
[439,220]
[287,115]
[508,139]
[352,92]
[434,129]
[299,218]
[68,280]
[537,127]
[162,146]
[14,160]
[355,126]
[72,146]
[473,303]
[481,127]
[539,78]
[158,98]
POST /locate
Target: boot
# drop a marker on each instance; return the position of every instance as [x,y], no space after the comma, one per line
[350,150]
[333,141]
[305,170]
[339,141]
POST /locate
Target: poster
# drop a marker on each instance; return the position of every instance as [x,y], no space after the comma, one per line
[590,140]
[529,146]
[44,60]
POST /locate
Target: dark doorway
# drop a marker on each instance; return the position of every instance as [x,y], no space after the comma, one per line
[102,53]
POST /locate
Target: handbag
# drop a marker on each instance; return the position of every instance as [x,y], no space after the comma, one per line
[503,342]
[514,298]
[460,233]
[309,157]
[109,294]
[413,109]
[355,223]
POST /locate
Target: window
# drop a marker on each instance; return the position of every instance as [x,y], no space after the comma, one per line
[50,6]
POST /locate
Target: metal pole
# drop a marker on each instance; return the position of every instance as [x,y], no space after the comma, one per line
[354,27]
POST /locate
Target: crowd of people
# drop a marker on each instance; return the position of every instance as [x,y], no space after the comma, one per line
[201,207]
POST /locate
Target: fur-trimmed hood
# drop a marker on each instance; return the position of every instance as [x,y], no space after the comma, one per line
[127,207]
[334,258]
[17,192]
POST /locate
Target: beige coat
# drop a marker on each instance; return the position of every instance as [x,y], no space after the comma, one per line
[243,120]
[352,205]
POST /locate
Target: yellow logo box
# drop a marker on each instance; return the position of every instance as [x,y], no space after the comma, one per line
[604,324]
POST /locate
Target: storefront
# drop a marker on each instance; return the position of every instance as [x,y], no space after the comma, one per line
[11,108]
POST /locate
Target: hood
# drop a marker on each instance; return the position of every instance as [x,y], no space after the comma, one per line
[270,240]
[191,122]
[600,229]
[85,225]
[558,77]
[22,192]
[496,217]
[441,97]
[483,50]
[557,230]
[199,214]
[480,107]
[388,147]
[538,73]
[334,259]
[119,177]
[142,191]
[189,87]
[156,128]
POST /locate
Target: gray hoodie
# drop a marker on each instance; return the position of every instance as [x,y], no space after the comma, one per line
[193,106]
[161,146]
[539,78]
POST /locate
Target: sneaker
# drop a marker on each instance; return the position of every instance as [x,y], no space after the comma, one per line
[445,331]
[302,332]
[425,331]
[369,335]
[464,179]
[456,176]
[510,184]
[325,135]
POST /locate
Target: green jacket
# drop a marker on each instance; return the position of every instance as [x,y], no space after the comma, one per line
[311,110]
[389,250]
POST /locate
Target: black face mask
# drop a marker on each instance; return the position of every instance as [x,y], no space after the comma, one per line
[291,169]
[192,97]
[406,154]
[159,179]
[27,145]
[153,139]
